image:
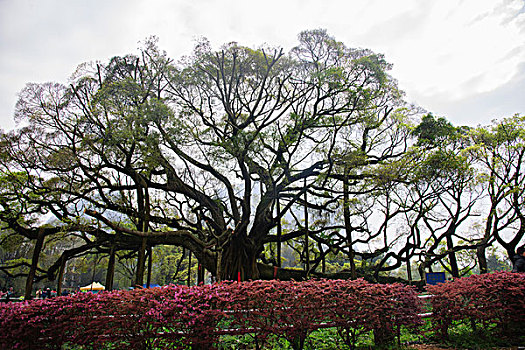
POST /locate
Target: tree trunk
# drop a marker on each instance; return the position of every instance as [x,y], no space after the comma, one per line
[110,273]
[189,268]
[150,266]
[323,258]
[143,207]
[348,226]
[141,262]
[279,232]
[95,261]
[219,266]
[454,269]
[239,259]
[482,258]
[34,264]
[409,269]
[200,274]
[306,238]
[490,227]
[60,279]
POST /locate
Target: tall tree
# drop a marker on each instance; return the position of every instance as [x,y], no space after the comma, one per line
[500,151]
[197,154]
[449,170]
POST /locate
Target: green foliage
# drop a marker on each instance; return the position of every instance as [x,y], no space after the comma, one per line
[188,151]
[170,266]
[433,132]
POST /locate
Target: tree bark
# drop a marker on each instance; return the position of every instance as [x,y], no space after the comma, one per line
[348,226]
[306,238]
[482,259]
[189,268]
[409,268]
[200,274]
[454,269]
[60,279]
[219,266]
[110,273]
[150,266]
[141,262]
[279,231]
[239,259]
[34,264]
[144,208]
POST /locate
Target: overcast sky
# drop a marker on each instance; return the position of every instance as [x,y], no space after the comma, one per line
[461,59]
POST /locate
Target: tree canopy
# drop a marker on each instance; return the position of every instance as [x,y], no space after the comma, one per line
[213,153]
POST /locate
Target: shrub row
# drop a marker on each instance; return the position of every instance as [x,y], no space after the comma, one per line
[494,303]
[177,317]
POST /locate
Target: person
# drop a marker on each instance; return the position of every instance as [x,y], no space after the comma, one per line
[10,294]
[519,260]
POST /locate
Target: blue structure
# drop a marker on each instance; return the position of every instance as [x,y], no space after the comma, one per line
[434,278]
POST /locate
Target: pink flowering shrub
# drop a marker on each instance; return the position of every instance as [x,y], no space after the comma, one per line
[179,317]
[492,302]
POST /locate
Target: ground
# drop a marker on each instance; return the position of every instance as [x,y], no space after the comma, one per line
[436,347]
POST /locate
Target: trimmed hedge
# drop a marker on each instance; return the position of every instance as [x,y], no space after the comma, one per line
[177,317]
[494,303]
[180,317]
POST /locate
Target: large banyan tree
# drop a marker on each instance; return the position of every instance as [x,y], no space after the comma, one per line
[212,152]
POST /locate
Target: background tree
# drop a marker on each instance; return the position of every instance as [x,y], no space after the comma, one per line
[450,172]
[144,159]
[499,150]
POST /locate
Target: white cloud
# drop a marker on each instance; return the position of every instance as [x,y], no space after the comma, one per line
[462,50]
[444,52]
